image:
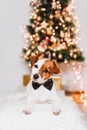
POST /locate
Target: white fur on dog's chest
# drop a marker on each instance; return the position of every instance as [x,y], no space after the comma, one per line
[41,94]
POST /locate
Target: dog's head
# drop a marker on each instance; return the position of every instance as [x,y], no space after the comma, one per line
[43,69]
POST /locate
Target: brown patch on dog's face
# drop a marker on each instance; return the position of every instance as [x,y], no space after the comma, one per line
[48,68]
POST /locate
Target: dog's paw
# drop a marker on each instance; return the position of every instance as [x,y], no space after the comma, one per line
[27,112]
[56,112]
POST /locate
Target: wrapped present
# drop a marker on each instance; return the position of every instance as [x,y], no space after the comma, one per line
[76,95]
[57,81]
[26,79]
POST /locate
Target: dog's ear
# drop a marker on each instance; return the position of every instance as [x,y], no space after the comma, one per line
[56,69]
[35,58]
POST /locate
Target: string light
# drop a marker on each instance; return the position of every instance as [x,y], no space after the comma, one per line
[84,99]
[79,81]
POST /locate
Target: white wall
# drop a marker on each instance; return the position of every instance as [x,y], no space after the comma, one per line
[13,13]
[81,12]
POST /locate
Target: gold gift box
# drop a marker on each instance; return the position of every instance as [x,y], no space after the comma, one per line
[56,79]
[26,79]
[76,95]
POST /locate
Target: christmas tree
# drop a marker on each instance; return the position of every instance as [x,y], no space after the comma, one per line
[52,32]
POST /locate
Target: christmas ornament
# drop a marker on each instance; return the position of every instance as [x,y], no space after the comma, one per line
[62,34]
[37,37]
[65,12]
[42,47]
[68,19]
[44,24]
[53,46]
[49,31]
[34,3]
[44,44]
[28,52]
[50,23]
[43,31]
[48,55]
[54,4]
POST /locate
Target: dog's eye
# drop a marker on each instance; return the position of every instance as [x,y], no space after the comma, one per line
[45,71]
[36,66]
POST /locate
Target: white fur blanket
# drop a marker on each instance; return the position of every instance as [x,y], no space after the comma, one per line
[12,118]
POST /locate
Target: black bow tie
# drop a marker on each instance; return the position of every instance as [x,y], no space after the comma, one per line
[48,84]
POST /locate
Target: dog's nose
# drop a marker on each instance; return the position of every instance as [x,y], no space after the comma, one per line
[35,76]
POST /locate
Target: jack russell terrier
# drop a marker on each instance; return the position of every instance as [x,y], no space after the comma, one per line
[41,88]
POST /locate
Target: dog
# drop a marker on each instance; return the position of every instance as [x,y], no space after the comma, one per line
[41,88]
